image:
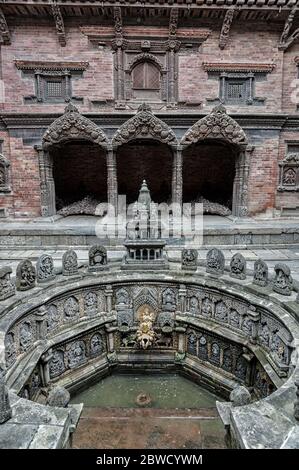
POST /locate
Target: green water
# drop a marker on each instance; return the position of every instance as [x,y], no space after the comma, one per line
[166,391]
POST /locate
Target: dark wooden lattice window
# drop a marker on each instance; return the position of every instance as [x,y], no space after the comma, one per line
[235,91]
[146,76]
[55,89]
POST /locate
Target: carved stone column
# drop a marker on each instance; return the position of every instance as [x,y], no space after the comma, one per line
[45,358]
[177,176]
[47,185]
[112,178]
[240,190]
[173,46]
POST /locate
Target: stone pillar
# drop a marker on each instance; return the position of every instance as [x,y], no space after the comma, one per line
[182,299]
[177,176]
[240,190]
[112,178]
[108,295]
[40,318]
[173,47]
[255,318]
[45,358]
[47,185]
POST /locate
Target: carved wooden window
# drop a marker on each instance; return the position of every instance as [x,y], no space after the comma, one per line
[146,76]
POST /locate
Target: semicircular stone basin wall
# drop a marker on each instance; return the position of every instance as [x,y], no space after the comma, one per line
[76,330]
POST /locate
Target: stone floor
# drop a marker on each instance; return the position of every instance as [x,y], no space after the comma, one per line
[123,428]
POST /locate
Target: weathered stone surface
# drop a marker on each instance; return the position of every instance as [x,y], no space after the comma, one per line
[240,396]
[59,397]
[215,261]
[97,258]
[260,273]
[283,281]
[7,288]
[25,275]
[238,266]
[69,263]
[5,408]
[189,258]
[45,268]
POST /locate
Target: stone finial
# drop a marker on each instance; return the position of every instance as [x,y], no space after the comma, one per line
[25,275]
[215,261]
[69,263]
[97,258]
[240,396]
[238,266]
[296,405]
[260,273]
[283,281]
[7,288]
[59,397]
[5,409]
[45,268]
[189,258]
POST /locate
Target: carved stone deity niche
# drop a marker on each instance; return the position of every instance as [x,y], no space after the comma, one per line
[238,266]
[5,409]
[69,263]
[215,262]
[10,349]
[169,300]
[25,275]
[283,281]
[7,288]
[96,345]
[97,258]
[289,173]
[4,175]
[75,353]
[145,334]
[71,308]
[56,364]
[45,269]
[90,303]
[260,274]
[26,336]
[124,309]
[189,259]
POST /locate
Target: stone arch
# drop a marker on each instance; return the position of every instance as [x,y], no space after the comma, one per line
[144,125]
[72,125]
[216,125]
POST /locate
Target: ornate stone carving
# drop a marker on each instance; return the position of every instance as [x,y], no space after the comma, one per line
[72,125]
[215,353]
[146,296]
[97,258]
[296,404]
[234,318]
[125,316]
[240,396]
[45,269]
[166,320]
[289,173]
[241,368]
[90,303]
[56,364]
[193,305]
[5,409]
[215,261]
[247,326]
[10,349]
[283,281]
[207,308]
[146,335]
[169,301]
[4,31]
[227,22]
[221,312]
[122,297]
[238,266]
[96,345]
[278,348]
[144,124]
[53,317]
[264,334]
[25,275]
[216,125]
[69,263]
[59,23]
[227,363]
[260,273]
[75,354]
[26,336]
[71,307]
[59,397]
[7,288]
[189,258]
[4,174]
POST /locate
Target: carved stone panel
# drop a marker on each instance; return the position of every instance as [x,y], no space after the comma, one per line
[189,259]
[10,349]
[221,312]
[69,263]
[90,303]
[7,288]
[215,261]
[45,269]
[169,301]
[71,308]
[238,266]
[97,345]
[25,275]
[53,317]
[56,364]
[283,282]
[26,336]
[75,354]
[260,274]
[97,258]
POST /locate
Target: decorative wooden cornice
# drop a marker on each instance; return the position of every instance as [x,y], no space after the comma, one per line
[4,31]
[173,22]
[225,30]
[59,23]
[241,67]
[44,66]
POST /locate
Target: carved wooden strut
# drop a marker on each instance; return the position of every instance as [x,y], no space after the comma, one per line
[226,26]
[287,39]
[4,31]
[59,23]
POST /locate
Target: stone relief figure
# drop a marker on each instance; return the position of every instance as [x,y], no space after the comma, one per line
[221,312]
[90,303]
[125,317]
[203,348]
[56,364]
[289,177]
[97,258]
[264,334]
[277,347]
[192,343]
[10,349]
[194,305]
[169,300]
[206,308]
[247,326]
[7,288]
[75,354]
[146,335]
[53,317]
[260,274]
[5,409]
[166,319]
[122,297]
[26,336]
[45,269]
[283,281]
[215,261]
[96,345]
[25,275]
[69,263]
[238,266]
[241,368]
[215,352]
[71,307]
[234,319]
[227,362]
[189,258]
